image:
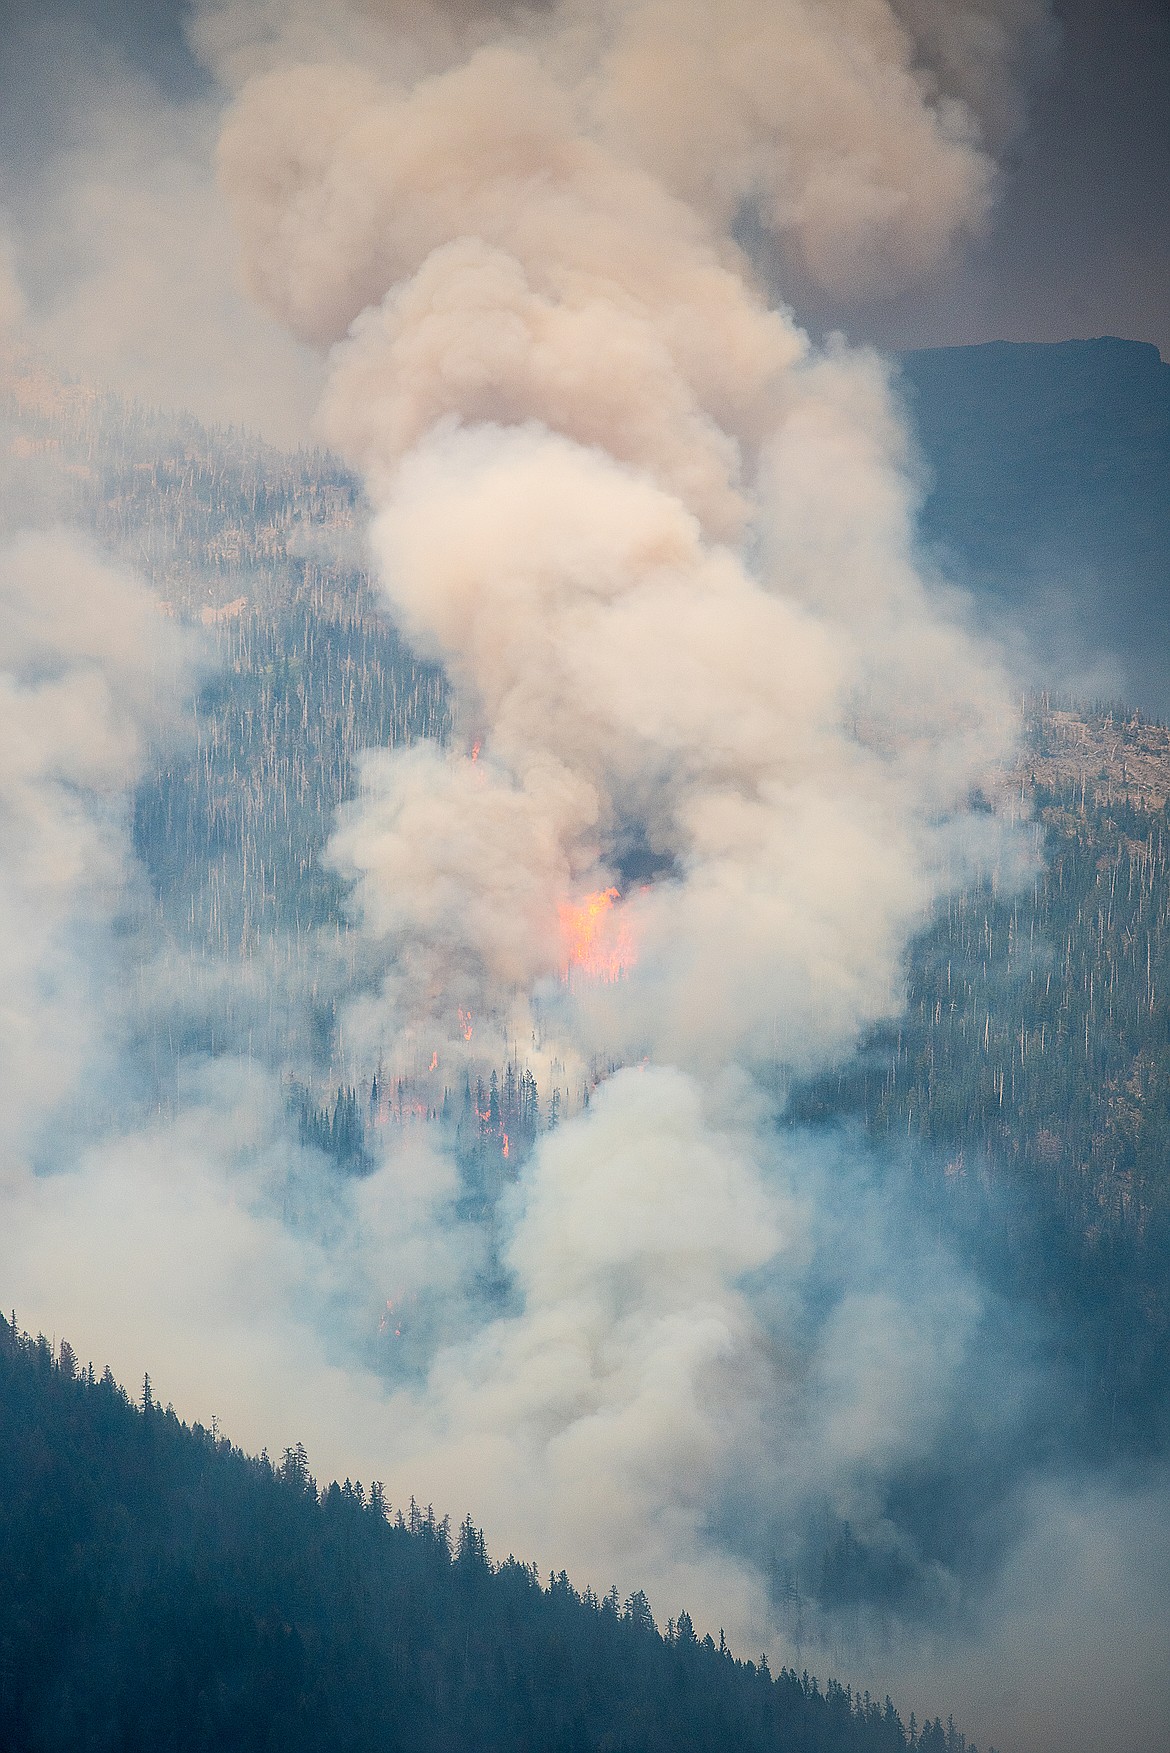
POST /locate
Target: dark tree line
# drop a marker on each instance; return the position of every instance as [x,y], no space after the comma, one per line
[165,1592]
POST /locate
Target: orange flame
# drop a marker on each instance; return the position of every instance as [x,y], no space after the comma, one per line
[465,1023]
[434,1062]
[596,938]
[388,1317]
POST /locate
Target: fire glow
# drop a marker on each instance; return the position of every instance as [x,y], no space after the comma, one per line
[596,939]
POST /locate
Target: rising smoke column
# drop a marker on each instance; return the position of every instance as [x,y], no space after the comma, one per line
[664,551]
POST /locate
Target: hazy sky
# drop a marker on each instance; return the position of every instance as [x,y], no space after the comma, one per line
[1080,244]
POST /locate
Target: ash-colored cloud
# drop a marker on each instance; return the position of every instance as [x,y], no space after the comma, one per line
[857,135]
[664,553]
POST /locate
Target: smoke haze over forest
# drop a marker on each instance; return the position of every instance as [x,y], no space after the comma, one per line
[440,862]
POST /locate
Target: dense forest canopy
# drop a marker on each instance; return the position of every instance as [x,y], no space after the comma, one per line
[164,1590]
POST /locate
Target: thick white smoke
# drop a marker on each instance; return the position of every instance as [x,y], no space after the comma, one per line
[664,551]
[858,134]
[190,1236]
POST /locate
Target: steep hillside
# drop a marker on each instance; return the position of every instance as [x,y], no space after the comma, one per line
[1032,1065]
[162,1590]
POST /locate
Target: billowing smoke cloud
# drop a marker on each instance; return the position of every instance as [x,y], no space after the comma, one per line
[663,551]
[983,54]
[858,135]
[188,1221]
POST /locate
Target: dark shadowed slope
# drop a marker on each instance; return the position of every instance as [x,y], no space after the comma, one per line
[164,1591]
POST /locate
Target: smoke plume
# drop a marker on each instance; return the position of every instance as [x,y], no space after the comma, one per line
[715,735]
[859,136]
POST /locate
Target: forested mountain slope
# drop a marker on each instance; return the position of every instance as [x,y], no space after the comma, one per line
[1031,1068]
[165,1592]
[262,550]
